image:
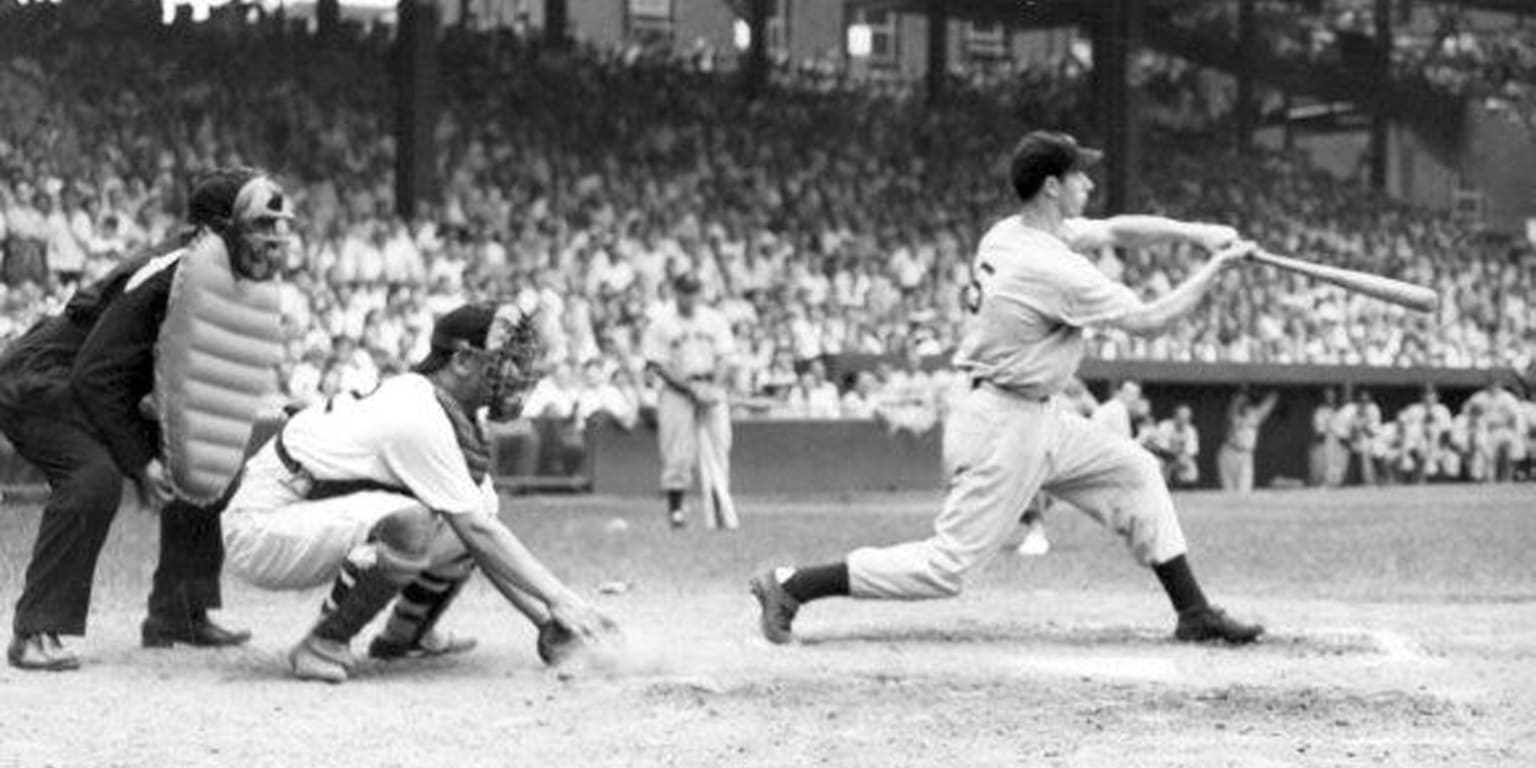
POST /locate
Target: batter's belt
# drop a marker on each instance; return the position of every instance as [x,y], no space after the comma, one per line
[979,382]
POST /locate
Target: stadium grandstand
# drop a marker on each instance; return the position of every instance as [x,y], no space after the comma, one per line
[825,167]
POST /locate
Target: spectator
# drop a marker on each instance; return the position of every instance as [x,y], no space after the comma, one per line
[863,400]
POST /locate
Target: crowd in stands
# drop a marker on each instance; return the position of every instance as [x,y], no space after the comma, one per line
[824,219]
[1490,56]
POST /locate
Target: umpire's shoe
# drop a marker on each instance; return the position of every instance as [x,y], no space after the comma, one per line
[40,651]
[778,607]
[198,630]
[1208,624]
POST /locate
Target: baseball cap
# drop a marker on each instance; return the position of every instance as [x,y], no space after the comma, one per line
[687,283]
[213,195]
[1043,154]
[467,325]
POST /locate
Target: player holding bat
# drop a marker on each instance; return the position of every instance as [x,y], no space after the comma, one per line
[689,348]
[1031,300]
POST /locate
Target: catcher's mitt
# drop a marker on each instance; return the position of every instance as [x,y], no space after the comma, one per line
[557,644]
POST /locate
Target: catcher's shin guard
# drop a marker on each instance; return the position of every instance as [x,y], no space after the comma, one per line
[423,602]
[369,579]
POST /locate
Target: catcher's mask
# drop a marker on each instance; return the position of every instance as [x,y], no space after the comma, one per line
[259,232]
[515,349]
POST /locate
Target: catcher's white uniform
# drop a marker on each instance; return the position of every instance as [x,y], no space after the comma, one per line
[311,495]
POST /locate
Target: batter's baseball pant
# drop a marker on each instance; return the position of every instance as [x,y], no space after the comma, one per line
[85,489]
[678,422]
[999,450]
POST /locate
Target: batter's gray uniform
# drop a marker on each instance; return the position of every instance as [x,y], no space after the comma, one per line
[1007,439]
[690,348]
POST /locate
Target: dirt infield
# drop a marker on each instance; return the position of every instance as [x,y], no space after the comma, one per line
[1403,632]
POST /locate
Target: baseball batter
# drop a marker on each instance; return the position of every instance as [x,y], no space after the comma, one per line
[1006,440]
[389,495]
[689,348]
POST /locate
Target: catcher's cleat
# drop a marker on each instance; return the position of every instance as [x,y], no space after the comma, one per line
[40,651]
[778,607]
[1209,624]
[432,644]
[316,658]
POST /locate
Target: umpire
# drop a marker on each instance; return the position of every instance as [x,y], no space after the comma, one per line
[54,418]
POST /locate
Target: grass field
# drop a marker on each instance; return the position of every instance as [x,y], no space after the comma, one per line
[1402,632]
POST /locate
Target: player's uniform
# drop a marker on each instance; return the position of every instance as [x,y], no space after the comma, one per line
[1007,439]
[312,494]
[691,348]
[1182,445]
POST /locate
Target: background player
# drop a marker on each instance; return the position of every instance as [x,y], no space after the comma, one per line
[391,495]
[1006,441]
[689,348]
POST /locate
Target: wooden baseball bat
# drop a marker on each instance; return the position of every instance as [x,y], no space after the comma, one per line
[715,486]
[1403,294]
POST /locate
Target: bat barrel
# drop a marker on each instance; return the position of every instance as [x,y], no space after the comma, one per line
[1416,297]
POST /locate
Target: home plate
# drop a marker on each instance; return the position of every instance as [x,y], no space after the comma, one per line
[1149,668]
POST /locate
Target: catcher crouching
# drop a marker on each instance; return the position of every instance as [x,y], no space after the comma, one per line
[389,497]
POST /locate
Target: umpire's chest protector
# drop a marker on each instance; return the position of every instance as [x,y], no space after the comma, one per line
[215,365]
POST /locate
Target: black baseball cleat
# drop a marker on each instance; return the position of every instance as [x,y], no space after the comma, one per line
[431,644]
[200,631]
[778,607]
[1209,624]
[40,651]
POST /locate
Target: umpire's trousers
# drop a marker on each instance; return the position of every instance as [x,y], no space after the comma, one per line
[85,490]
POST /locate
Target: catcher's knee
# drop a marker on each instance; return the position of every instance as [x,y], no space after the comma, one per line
[402,541]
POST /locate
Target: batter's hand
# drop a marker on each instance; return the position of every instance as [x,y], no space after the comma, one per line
[1214,237]
[706,394]
[1239,251]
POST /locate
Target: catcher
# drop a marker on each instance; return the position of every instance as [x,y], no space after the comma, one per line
[389,495]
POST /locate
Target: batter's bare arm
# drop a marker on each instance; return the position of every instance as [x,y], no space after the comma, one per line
[519,576]
[1140,231]
[1156,315]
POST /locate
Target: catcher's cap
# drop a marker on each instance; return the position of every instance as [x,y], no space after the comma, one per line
[1042,154]
[468,325]
[687,283]
[213,195]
